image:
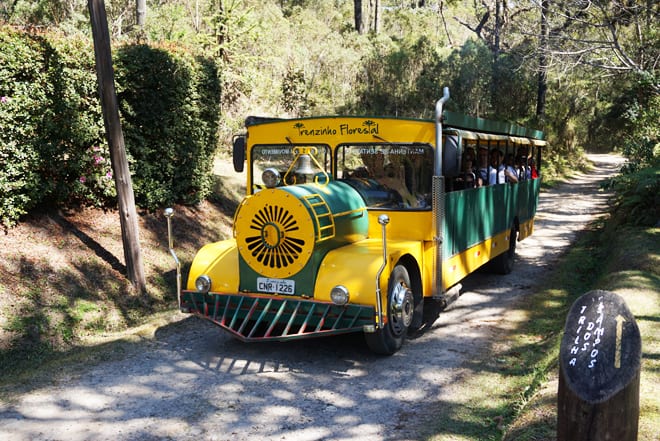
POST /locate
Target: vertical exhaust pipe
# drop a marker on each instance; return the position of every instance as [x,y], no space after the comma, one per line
[437,170]
[438,196]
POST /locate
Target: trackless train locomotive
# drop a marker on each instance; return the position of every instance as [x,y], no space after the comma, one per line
[363,224]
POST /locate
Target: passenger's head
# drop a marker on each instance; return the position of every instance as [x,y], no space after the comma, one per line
[483,156]
[390,170]
[496,157]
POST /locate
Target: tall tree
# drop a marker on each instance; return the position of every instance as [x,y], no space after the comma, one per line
[616,36]
[543,68]
[359,22]
[141,12]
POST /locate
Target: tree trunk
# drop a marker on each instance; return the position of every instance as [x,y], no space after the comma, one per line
[498,29]
[359,22]
[122,176]
[543,68]
[141,12]
[441,6]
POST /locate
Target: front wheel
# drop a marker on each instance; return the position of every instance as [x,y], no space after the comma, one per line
[398,314]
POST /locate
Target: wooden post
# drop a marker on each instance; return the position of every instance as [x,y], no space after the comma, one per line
[599,368]
[122,176]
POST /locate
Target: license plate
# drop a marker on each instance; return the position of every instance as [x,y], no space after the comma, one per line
[276,286]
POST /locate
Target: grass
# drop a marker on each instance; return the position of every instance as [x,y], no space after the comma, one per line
[513,395]
[62,283]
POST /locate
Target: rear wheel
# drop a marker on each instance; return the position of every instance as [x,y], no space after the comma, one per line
[398,313]
[503,264]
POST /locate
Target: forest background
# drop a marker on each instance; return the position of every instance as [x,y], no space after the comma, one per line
[189,71]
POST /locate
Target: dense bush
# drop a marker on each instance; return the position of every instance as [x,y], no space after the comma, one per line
[170,109]
[52,142]
[39,132]
[638,196]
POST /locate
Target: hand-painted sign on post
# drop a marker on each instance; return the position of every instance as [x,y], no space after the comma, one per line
[599,366]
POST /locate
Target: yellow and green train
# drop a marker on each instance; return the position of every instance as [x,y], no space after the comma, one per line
[363,224]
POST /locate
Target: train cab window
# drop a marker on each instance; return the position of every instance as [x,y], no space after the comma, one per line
[287,164]
[388,176]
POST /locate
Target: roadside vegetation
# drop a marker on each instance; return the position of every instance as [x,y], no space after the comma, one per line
[513,395]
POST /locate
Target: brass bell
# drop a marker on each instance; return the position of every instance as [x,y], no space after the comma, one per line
[305,165]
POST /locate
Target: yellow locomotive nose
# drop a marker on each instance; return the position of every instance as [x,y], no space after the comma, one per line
[275,233]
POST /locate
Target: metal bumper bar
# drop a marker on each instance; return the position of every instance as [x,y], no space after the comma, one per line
[261,318]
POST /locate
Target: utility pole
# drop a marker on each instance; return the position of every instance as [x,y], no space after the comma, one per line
[125,197]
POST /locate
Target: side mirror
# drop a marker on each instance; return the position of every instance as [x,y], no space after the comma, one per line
[239,153]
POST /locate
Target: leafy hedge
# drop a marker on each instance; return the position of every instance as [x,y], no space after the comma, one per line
[637,200]
[170,104]
[52,139]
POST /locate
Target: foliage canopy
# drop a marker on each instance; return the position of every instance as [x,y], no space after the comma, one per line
[598,61]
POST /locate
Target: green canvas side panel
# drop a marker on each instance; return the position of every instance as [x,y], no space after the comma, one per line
[472,216]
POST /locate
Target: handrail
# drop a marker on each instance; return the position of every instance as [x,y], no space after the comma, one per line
[169,212]
[383,220]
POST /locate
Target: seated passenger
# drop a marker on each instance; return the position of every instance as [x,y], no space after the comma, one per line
[521,168]
[467,179]
[394,179]
[532,169]
[482,171]
[496,173]
[510,172]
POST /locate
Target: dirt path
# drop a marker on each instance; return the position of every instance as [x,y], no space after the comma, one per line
[192,382]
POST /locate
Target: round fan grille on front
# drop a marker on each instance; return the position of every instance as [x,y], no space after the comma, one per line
[275,233]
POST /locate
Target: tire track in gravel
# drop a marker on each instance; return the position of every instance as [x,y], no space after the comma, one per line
[193,382]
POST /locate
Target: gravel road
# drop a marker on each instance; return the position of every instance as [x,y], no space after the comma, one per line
[191,381]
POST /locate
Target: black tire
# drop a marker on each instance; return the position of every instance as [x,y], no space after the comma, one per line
[389,338]
[503,264]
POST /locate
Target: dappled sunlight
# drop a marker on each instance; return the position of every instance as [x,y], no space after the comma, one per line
[63,275]
[233,377]
[190,380]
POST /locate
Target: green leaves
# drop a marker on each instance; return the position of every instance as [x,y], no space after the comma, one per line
[52,137]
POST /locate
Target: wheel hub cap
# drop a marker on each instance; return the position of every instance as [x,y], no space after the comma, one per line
[402,308]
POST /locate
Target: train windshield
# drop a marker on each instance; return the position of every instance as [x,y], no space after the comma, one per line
[388,175]
[294,164]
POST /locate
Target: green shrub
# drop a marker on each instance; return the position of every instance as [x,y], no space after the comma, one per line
[170,106]
[75,168]
[21,104]
[638,196]
[52,136]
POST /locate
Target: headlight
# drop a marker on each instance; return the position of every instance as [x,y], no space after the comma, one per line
[339,295]
[270,177]
[203,284]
